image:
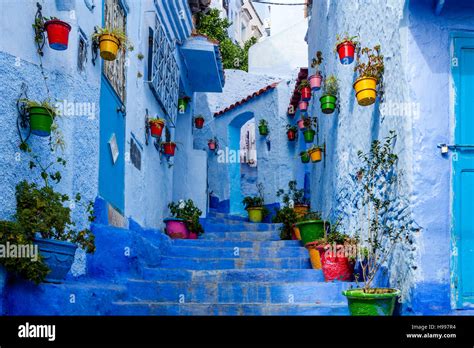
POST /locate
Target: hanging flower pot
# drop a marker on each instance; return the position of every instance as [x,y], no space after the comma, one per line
[183,104]
[304,156]
[263,127]
[291,134]
[305,90]
[41,119]
[169,148]
[366,90]
[303,106]
[109,46]
[328,103]
[371,302]
[176,228]
[316,154]
[199,122]
[315,82]
[58,34]
[156,127]
[346,51]
[211,144]
[300,124]
[309,135]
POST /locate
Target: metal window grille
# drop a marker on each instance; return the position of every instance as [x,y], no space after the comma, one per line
[82,52]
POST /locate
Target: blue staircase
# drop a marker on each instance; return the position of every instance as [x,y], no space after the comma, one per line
[235,268]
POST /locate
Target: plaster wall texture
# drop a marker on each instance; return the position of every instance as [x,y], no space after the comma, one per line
[415,44]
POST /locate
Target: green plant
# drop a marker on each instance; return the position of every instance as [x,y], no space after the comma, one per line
[263,123]
[373,65]
[287,217]
[317,61]
[304,84]
[340,39]
[156,120]
[330,86]
[376,180]
[43,210]
[13,233]
[257,201]
[119,34]
[293,194]
[187,211]
[290,127]
[316,147]
[310,122]
[312,215]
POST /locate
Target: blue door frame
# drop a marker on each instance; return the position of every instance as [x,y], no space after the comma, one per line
[463,170]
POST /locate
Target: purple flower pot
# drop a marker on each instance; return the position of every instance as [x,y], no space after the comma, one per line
[176,228]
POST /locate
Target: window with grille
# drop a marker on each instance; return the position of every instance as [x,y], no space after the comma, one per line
[115,17]
[82,51]
[164,71]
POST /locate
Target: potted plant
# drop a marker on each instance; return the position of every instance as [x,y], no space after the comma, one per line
[309,132]
[199,121]
[45,217]
[156,127]
[329,98]
[304,155]
[255,205]
[303,106]
[379,235]
[287,217]
[168,147]
[41,115]
[185,221]
[345,48]
[263,127]
[300,123]
[212,143]
[311,227]
[370,74]
[305,90]
[291,110]
[291,132]
[295,198]
[316,79]
[110,40]
[183,104]
[316,153]
[58,33]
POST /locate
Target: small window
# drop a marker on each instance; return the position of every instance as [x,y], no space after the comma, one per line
[82,51]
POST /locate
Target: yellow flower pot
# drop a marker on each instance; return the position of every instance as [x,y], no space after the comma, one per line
[301,210]
[109,46]
[366,90]
[296,230]
[316,155]
[315,258]
[255,214]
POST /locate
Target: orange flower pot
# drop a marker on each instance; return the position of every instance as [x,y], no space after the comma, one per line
[316,155]
[108,45]
[301,209]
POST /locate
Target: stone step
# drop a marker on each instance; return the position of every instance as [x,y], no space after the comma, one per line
[213,226]
[234,275]
[245,235]
[236,252]
[230,263]
[209,309]
[237,292]
[236,243]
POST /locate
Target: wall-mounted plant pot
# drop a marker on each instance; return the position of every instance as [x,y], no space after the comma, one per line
[176,228]
[58,34]
[336,267]
[346,51]
[328,103]
[366,90]
[41,119]
[169,148]
[316,155]
[156,128]
[109,46]
[301,210]
[263,130]
[300,124]
[315,82]
[306,94]
[58,256]
[309,135]
[311,230]
[305,157]
[371,304]
[291,134]
[303,106]
[199,122]
[314,254]
[255,214]
[211,145]
[182,105]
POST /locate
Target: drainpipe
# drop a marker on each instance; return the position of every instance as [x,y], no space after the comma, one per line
[439,6]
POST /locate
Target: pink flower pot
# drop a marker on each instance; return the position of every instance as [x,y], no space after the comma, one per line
[303,106]
[301,124]
[176,229]
[315,82]
[192,235]
[212,145]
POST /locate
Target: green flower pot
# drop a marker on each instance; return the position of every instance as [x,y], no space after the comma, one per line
[263,130]
[311,230]
[41,120]
[182,105]
[305,157]
[309,135]
[328,103]
[361,303]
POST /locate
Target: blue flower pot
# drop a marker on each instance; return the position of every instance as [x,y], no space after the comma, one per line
[58,256]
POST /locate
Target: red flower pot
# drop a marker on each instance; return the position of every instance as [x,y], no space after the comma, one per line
[306,93]
[346,52]
[315,82]
[199,122]
[58,34]
[291,134]
[301,124]
[192,235]
[335,267]
[169,148]
[303,106]
[212,145]
[156,128]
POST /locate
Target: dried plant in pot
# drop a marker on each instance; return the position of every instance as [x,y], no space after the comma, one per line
[316,79]
[345,47]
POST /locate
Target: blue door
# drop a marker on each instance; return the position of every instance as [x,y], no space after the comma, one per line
[463,167]
[112,147]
